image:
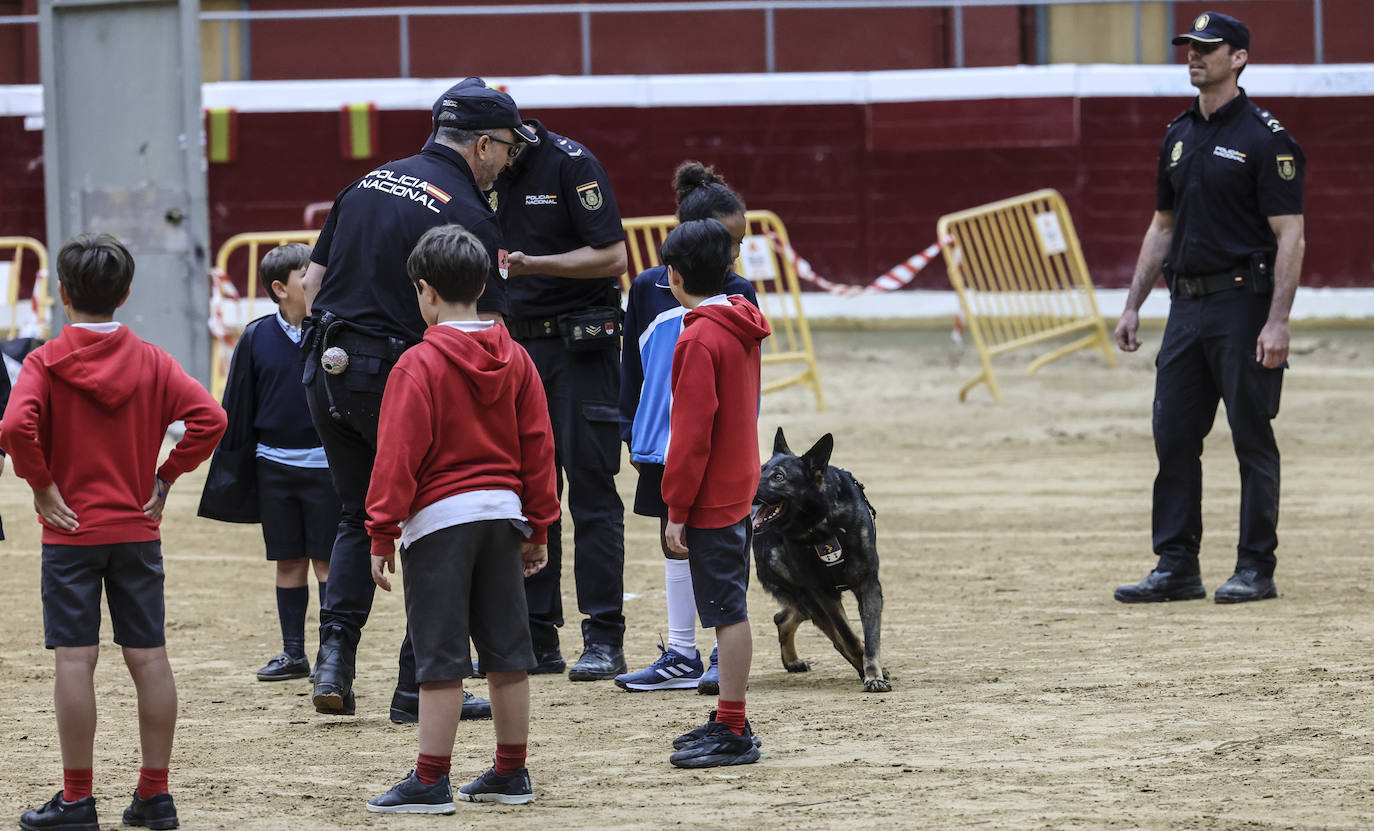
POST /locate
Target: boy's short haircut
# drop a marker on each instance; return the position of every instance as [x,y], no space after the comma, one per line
[700,251]
[452,260]
[280,262]
[96,270]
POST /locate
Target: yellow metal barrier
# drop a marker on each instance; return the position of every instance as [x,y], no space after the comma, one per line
[18,245]
[779,295]
[255,245]
[1021,279]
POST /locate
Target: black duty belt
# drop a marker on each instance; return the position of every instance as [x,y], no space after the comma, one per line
[357,343]
[1206,284]
[533,328]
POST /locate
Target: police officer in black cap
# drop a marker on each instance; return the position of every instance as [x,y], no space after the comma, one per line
[1228,235]
[559,219]
[364,314]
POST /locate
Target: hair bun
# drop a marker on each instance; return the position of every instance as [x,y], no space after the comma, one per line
[691,175]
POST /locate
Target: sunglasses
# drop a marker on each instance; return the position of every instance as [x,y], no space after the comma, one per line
[513,147]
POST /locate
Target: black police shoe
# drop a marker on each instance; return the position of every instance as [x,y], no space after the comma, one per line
[599,662]
[284,668]
[717,746]
[411,796]
[157,811]
[405,707]
[1159,586]
[334,674]
[60,814]
[1246,585]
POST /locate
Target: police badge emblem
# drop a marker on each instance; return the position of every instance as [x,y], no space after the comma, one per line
[1176,153]
[1287,170]
[590,195]
[492,200]
[1201,22]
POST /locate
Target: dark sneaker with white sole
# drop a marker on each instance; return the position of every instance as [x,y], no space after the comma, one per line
[157,812]
[491,786]
[693,735]
[60,815]
[411,796]
[718,746]
[285,668]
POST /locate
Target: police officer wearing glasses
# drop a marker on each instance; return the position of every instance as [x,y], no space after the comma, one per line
[1228,235]
[363,315]
[559,219]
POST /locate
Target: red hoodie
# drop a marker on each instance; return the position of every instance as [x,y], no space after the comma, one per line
[463,411]
[89,412]
[712,465]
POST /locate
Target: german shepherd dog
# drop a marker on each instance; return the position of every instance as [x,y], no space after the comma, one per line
[814,537]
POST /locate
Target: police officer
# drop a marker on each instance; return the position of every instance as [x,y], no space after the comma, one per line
[559,219]
[1228,235]
[364,314]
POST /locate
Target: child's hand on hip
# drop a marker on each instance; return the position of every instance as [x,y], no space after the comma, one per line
[153,508]
[50,506]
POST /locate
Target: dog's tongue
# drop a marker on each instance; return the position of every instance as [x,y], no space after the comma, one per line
[760,514]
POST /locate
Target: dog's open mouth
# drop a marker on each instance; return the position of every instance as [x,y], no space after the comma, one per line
[763,514]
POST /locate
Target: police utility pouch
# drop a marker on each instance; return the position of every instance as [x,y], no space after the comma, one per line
[1261,275]
[595,328]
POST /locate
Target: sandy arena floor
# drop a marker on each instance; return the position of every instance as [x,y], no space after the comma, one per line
[1023,695]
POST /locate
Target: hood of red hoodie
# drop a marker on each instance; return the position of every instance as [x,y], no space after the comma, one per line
[481,356]
[103,366]
[741,318]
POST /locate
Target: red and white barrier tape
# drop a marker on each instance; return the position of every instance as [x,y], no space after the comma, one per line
[222,289]
[41,316]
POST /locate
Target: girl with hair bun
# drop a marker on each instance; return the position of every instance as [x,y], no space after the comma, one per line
[653,322]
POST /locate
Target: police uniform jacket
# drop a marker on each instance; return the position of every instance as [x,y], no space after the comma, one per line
[374,225]
[556,198]
[1223,178]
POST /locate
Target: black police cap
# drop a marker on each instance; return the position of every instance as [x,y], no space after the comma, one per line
[1215,27]
[471,105]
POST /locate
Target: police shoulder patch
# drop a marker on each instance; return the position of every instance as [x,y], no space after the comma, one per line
[1267,119]
[572,148]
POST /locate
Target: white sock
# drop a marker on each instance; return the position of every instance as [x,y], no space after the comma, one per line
[682,607]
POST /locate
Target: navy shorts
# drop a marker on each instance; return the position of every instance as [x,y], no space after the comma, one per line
[131,573]
[466,581]
[719,561]
[299,509]
[649,491]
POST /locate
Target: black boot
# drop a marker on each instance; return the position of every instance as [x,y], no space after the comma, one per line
[334,671]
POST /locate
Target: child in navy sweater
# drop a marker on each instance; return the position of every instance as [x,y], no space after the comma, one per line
[270,467]
[711,471]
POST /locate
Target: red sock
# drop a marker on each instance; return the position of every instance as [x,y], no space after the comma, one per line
[76,784]
[731,714]
[509,758]
[151,782]
[429,768]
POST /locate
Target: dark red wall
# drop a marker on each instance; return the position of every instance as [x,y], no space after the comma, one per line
[859,187]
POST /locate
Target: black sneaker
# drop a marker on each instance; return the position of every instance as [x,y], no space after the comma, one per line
[60,815]
[157,811]
[599,662]
[411,796]
[695,735]
[1160,586]
[1246,585]
[493,787]
[405,707]
[718,746]
[284,668]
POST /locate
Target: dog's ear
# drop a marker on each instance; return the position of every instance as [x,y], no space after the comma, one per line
[780,444]
[818,457]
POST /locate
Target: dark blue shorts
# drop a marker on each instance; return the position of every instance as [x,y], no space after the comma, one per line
[299,509]
[466,581]
[719,561]
[649,491]
[131,574]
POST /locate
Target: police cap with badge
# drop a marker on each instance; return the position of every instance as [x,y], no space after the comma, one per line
[1215,27]
[472,105]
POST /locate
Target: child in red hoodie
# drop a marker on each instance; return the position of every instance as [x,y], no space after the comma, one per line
[84,427]
[465,478]
[711,470]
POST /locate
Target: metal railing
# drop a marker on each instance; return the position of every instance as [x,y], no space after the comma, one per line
[585,11]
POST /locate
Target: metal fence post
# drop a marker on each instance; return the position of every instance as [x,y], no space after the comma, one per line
[770,46]
[1318,36]
[403,33]
[586,19]
[959,36]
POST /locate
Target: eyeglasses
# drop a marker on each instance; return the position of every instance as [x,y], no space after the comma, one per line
[513,147]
